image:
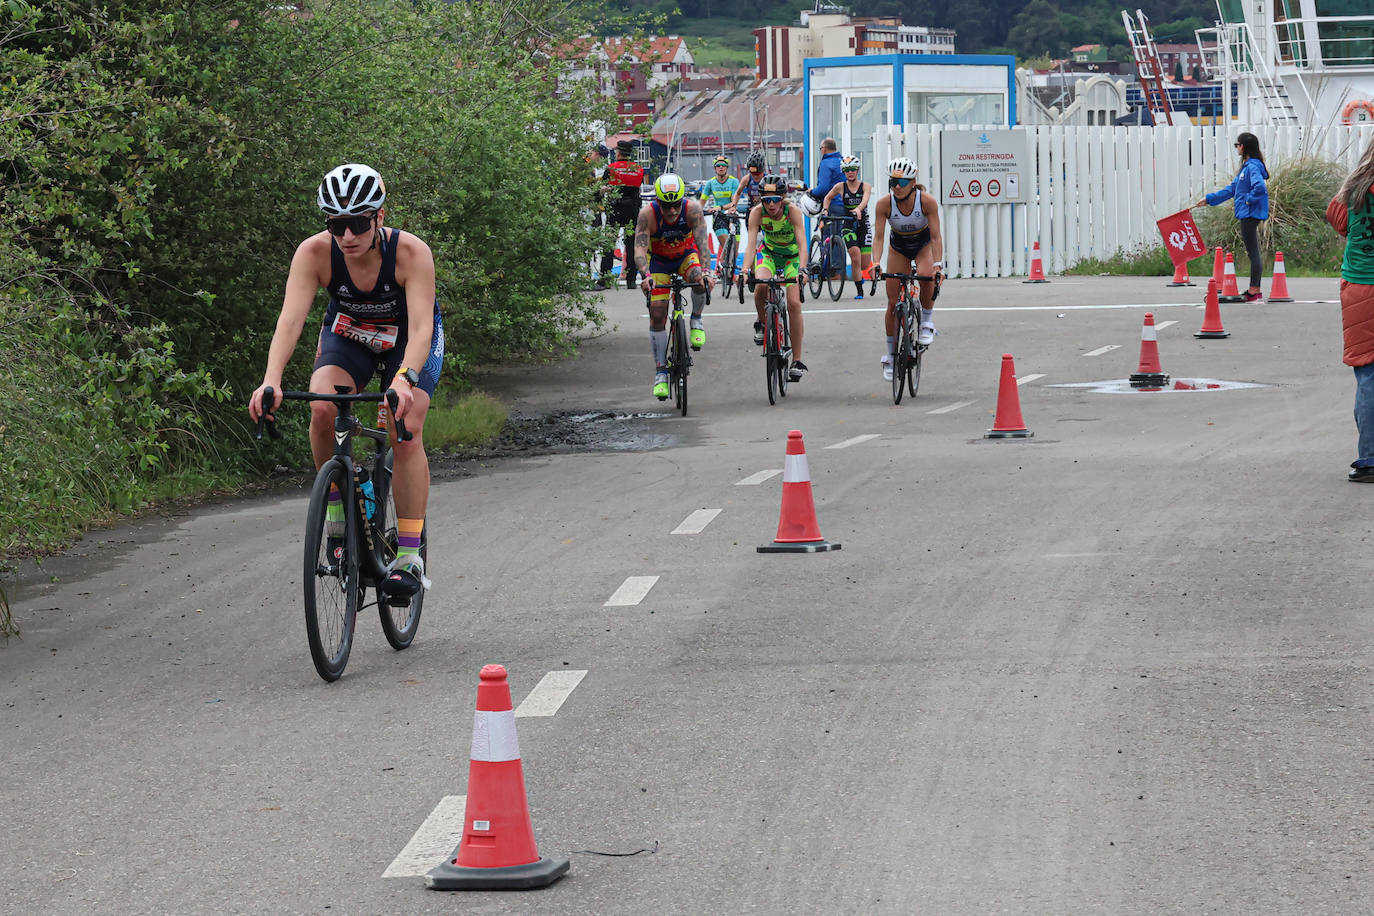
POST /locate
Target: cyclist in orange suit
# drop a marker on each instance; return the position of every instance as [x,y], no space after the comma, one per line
[382,318]
[669,237]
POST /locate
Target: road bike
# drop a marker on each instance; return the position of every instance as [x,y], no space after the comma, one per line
[729,253]
[829,255]
[340,568]
[777,334]
[906,361]
[679,355]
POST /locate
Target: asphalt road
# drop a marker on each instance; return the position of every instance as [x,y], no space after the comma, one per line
[1119,667]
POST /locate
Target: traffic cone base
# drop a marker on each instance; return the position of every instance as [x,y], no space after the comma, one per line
[1278,288]
[497,851]
[1008,424]
[1211,319]
[450,877]
[1181,275]
[798,530]
[1037,271]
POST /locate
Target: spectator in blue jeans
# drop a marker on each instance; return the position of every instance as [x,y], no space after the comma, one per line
[1351,213]
[1251,205]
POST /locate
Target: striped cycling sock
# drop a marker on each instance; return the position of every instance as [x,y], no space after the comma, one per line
[408,536]
[334,511]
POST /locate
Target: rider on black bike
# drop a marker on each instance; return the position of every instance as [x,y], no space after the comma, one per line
[914,218]
[779,223]
[382,318]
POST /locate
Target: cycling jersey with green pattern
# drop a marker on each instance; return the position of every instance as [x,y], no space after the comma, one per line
[779,235]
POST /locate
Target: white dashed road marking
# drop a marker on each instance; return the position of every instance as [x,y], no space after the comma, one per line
[432,844]
[950,407]
[631,591]
[1100,350]
[1022,379]
[1164,324]
[855,441]
[548,695]
[754,480]
[696,522]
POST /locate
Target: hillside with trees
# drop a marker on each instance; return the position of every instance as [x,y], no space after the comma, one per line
[1029,30]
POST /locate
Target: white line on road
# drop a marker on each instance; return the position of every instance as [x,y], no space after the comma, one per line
[631,591]
[1164,324]
[1074,556]
[1113,306]
[432,844]
[855,441]
[950,407]
[1022,379]
[548,695]
[754,480]
[1100,350]
[696,522]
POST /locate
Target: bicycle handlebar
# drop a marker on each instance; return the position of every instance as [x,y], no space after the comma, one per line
[888,276]
[267,420]
[771,282]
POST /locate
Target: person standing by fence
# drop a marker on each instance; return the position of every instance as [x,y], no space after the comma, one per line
[1251,204]
[624,176]
[1351,213]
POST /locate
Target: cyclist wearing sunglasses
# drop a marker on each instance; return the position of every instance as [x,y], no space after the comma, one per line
[858,236]
[668,238]
[914,218]
[718,195]
[749,190]
[382,318]
[779,224]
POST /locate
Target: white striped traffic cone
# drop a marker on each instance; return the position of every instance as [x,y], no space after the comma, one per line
[798,530]
[497,851]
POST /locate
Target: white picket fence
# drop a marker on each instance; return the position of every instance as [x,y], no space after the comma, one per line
[1096,191]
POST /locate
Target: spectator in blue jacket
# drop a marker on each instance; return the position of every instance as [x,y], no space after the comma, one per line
[1251,204]
[828,172]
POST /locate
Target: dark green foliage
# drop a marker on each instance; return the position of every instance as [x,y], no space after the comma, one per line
[158,166]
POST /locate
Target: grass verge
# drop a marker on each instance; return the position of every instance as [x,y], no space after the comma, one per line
[463,420]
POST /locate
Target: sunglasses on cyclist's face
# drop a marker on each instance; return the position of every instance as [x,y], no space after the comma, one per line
[756,171]
[899,182]
[771,200]
[851,171]
[355,224]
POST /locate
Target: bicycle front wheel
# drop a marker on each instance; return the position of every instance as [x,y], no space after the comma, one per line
[784,347]
[332,590]
[913,368]
[399,624]
[680,360]
[902,344]
[771,354]
[727,264]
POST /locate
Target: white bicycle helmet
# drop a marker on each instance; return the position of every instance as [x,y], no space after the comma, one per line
[901,167]
[810,204]
[849,162]
[351,190]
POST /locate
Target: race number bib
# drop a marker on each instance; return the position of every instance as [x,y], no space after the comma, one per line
[378,337]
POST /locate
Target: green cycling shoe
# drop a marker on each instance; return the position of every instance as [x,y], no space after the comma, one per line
[661,386]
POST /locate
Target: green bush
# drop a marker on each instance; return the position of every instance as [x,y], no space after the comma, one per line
[160,161]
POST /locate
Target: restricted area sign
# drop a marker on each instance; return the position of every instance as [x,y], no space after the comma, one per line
[1181,237]
[984,166]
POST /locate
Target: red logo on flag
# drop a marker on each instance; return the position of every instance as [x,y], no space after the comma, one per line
[1181,237]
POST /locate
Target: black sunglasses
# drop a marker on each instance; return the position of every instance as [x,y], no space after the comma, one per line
[771,200]
[899,182]
[357,224]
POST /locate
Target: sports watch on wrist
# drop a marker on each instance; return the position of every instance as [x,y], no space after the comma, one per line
[411,376]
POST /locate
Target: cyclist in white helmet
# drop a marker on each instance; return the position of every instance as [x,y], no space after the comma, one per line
[914,218]
[382,319]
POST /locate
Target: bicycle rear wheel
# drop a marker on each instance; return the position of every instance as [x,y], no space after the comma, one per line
[727,264]
[913,369]
[332,589]
[835,283]
[399,624]
[899,358]
[771,356]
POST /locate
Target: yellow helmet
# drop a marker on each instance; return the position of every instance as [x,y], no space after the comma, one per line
[670,189]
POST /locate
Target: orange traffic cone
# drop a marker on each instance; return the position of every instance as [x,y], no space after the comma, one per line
[1229,291]
[1008,424]
[1037,273]
[497,851]
[1211,318]
[1219,267]
[798,531]
[1278,290]
[1150,375]
[1181,275]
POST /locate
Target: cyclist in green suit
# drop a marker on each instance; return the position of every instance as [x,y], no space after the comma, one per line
[784,251]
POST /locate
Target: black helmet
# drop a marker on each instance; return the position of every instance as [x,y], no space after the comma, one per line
[773,184]
[757,160]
